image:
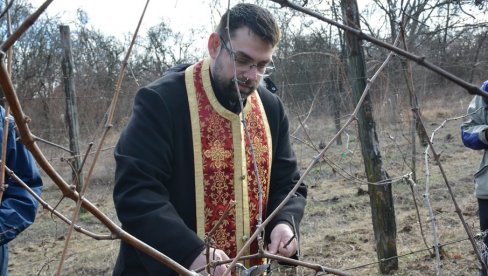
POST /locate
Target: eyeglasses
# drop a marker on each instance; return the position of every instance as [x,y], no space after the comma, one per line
[263,69]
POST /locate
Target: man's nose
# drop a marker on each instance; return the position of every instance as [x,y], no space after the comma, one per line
[252,73]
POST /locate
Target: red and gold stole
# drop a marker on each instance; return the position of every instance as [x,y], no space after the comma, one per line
[223,165]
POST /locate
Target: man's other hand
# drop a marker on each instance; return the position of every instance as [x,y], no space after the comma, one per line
[283,241]
[214,255]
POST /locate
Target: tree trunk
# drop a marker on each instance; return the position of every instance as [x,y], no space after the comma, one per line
[381,199]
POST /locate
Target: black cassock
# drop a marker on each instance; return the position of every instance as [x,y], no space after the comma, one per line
[154,190]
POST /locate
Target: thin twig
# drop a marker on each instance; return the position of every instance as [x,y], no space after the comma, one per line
[289,241]
[97,154]
[6,128]
[3,185]
[8,5]
[444,176]
[208,237]
[404,255]
[411,183]
[36,138]
[52,210]
[84,158]
[431,212]
[232,205]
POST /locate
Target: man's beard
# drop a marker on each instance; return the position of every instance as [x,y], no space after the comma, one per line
[228,86]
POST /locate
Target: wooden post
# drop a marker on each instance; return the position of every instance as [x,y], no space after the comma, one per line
[71,107]
[339,87]
[381,199]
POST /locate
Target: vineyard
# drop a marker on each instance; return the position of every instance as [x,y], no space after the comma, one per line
[313,83]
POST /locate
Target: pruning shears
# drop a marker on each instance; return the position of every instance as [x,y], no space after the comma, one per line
[255,270]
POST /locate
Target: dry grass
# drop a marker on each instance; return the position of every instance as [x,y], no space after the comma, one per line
[336,231]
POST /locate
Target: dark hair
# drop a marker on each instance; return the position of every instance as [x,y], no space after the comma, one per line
[259,20]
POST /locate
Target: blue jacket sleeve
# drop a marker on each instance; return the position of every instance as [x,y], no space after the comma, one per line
[474,128]
[18,208]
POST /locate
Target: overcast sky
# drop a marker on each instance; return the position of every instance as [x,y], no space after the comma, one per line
[119,17]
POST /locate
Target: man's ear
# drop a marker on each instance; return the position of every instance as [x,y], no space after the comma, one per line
[213,45]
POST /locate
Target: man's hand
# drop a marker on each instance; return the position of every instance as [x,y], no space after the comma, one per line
[214,255]
[283,241]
